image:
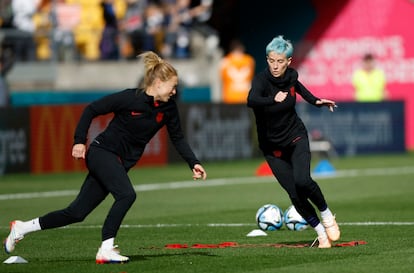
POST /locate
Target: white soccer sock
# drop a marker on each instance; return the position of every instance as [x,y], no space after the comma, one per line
[30,226]
[326,214]
[320,230]
[108,243]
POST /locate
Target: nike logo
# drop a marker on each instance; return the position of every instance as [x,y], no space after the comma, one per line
[133,113]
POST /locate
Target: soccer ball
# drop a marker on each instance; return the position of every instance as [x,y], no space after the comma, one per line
[269,217]
[293,220]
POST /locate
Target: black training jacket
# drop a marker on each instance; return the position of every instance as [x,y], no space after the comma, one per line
[277,123]
[136,120]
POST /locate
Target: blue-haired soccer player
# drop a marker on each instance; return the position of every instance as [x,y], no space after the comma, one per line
[283,138]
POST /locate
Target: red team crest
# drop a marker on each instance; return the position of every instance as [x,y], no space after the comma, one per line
[159,117]
[292,91]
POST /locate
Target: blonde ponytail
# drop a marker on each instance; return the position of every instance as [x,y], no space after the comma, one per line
[155,67]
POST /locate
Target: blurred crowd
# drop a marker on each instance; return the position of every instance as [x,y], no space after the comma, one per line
[66,30]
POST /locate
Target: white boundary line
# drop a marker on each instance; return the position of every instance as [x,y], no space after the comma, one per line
[219,182]
[377,224]
[79,226]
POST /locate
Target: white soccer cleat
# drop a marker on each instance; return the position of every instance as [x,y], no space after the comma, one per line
[14,237]
[110,256]
[331,228]
[324,242]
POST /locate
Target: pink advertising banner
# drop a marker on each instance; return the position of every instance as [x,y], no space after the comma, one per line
[343,32]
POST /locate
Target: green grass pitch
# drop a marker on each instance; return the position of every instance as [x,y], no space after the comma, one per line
[372,197]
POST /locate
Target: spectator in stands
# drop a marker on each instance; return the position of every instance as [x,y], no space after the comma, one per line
[24,43]
[109,46]
[87,32]
[369,81]
[201,11]
[236,73]
[6,25]
[178,29]
[184,18]
[65,17]
[132,25]
[153,34]
[43,28]
[6,14]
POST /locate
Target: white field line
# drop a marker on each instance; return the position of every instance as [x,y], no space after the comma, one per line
[252,225]
[213,225]
[220,182]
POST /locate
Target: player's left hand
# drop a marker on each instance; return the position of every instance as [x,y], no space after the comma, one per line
[330,103]
[199,172]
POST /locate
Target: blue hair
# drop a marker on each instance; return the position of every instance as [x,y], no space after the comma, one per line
[280,46]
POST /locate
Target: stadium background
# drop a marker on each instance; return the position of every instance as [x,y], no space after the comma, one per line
[47,98]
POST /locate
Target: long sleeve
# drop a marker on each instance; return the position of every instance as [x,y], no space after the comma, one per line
[102,106]
[84,123]
[306,94]
[262,95]
[259,95]
[180,143]
[277,122]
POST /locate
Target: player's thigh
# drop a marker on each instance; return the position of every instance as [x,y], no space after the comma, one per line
[283,172]
[109,171]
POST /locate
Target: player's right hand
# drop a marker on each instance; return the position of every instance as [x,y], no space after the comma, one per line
[280,96]
[78,151]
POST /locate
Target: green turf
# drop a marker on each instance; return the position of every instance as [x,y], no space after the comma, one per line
[374,189]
